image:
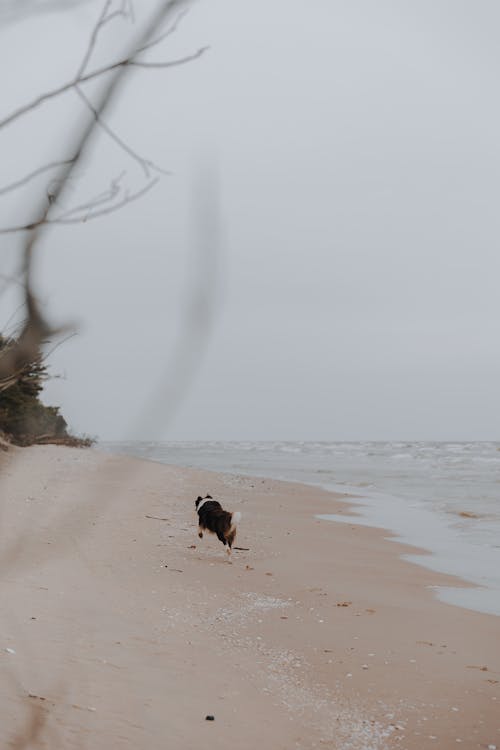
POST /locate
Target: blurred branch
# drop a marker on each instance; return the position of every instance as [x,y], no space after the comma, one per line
[146,165]
[171,30]
[9,279]
[36,330]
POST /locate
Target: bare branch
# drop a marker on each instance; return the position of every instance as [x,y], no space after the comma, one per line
[93,38]
[128,198]
[145,164]
[104,18]
[37,329]
[168,63]
[11,319]
[31,176]
[100,199]
[57,345]
[68,218]
[171,30]
[129,61]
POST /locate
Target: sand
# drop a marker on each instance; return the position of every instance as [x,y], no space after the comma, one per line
[119,628]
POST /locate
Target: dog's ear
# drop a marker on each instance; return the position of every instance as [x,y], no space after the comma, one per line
[198,500]
[209,497]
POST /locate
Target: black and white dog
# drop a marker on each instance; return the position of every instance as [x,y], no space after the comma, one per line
[212,517]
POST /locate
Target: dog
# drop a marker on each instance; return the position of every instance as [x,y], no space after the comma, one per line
[212,517]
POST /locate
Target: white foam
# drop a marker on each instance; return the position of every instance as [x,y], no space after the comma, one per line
[449,552]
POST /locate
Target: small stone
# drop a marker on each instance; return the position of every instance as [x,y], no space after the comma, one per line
[209,717]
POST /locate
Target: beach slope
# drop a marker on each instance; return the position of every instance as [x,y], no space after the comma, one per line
[120,628]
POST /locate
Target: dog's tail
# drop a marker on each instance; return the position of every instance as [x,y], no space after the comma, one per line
[235,519]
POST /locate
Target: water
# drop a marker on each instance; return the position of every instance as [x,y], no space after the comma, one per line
[417,490]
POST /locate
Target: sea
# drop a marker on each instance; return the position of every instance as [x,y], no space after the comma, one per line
[443,497]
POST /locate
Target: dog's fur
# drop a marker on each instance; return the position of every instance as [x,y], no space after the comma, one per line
[212,517]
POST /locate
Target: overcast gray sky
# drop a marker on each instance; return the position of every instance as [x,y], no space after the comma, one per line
[349,152]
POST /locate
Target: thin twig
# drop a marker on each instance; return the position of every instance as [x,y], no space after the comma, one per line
[31,176]
[168,63]
[67,219]
[145,164]
[10,319]
[57,345]
[130,61]
[129,198]
[93,38]
[103,19]
[99,200]
[171,30]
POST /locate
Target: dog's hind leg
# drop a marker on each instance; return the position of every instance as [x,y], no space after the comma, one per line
[230,540]
[221,537]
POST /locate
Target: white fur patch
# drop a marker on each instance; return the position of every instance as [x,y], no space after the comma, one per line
[206,500]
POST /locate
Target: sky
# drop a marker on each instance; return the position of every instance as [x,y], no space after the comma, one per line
[322,261]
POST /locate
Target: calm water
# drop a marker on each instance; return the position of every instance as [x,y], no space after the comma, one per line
[417,490]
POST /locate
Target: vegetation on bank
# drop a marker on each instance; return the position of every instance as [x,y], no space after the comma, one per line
[24,419]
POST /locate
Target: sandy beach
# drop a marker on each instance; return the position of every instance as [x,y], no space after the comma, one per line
[121,629]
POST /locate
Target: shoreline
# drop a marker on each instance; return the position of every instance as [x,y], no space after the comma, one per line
[443,550]
[318,635]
